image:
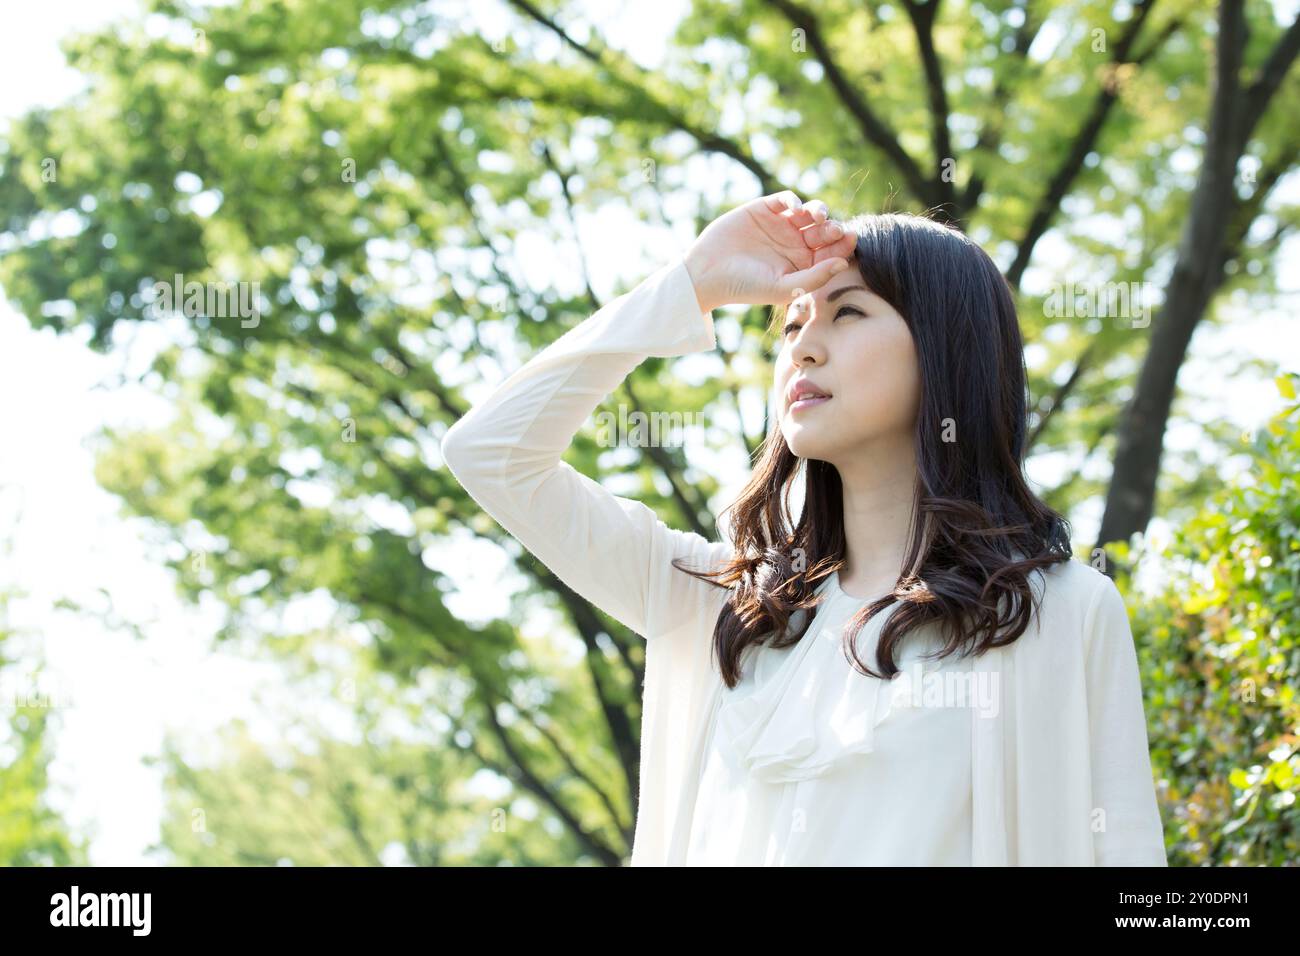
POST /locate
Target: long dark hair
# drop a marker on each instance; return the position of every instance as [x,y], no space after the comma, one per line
[977,531]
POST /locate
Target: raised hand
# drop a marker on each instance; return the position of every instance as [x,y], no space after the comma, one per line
[767,252]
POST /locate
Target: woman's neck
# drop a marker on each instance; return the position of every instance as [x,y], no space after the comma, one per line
[878,488]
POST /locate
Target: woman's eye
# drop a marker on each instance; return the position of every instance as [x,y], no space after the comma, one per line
[794,327]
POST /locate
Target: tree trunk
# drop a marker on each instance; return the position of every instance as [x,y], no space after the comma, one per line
[1197,273]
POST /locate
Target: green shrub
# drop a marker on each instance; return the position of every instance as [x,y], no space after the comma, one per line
[1219,647]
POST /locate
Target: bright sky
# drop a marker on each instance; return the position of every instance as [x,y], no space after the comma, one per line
[119,693]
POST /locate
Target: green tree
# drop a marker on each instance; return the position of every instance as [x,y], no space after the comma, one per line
[378,168]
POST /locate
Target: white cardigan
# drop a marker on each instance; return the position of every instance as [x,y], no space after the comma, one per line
[1061,773]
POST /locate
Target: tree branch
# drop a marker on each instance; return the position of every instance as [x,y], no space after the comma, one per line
[1255,99]
[990,136]
[708,140]
[873,129]
[923,16]
[1059,184]
[1062,392]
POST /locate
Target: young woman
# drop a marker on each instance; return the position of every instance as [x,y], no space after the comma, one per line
[913,670]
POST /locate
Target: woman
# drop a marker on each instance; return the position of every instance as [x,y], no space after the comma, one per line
[915,671]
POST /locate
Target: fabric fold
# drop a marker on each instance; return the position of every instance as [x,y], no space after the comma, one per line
[799,711]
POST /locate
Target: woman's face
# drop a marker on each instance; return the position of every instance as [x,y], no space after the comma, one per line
[852,345]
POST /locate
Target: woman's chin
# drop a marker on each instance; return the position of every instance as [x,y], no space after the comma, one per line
[803,443]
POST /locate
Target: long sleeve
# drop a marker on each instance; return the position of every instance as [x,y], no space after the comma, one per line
[506,453]
[1122,783]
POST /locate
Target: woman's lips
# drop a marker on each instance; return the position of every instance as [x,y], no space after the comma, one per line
[808,402]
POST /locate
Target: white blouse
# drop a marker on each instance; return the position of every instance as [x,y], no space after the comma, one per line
[1056,769]
[812,763]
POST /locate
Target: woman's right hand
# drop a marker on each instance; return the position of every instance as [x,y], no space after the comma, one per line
[767,252]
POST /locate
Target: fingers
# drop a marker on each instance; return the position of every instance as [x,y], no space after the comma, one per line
[826,237]
[782,201]
[791,207]
[813,278]
[843,248]
[820,233]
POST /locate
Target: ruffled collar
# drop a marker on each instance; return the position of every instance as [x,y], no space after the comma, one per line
[798,711]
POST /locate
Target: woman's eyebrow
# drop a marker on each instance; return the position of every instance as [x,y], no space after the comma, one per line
[846,288]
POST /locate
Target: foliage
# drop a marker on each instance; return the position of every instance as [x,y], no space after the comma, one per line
[369,772]
[1220,651]
[32,833]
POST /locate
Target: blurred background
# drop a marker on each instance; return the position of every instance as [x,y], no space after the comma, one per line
[256,256]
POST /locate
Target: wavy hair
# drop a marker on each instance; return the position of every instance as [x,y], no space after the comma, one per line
[977,531]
